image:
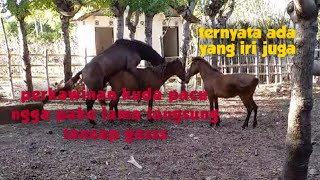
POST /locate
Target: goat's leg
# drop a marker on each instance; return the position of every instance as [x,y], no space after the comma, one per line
[216,107]
[249,110]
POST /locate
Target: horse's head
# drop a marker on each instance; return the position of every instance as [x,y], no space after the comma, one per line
[194,68]
[178,70]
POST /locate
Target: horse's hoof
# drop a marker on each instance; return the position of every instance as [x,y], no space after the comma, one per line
[93,122]
[111,121]
[211,124]
[254,126]
[151,120]
[244,126]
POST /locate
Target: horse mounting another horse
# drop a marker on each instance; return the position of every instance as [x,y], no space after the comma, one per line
[218,85]
[153,77]
[122,55]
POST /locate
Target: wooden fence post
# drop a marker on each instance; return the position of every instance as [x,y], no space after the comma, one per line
[9,57]
[248,63]
[47,67]
[239,64]
[10,74]
[257,65]
[267,69]
[275,60]
[85,56]
[280,69]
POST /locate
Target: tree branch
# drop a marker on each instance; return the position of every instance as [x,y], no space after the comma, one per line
[222,20]
[66,7]
[187,12]
[132,25]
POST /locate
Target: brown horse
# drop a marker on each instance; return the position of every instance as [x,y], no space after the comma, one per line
[153,77]
[217,85]
[122,55]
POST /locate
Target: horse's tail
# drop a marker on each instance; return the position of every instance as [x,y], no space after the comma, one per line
[68,85]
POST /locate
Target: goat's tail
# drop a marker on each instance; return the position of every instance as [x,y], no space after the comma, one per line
[68,85]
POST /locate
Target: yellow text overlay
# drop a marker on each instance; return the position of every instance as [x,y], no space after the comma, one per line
[244,34]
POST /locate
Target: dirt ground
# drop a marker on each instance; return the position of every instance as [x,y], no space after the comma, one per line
[193,149]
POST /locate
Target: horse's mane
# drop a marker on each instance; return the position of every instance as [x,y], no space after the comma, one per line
[145,51]
[161,69]
[203,61]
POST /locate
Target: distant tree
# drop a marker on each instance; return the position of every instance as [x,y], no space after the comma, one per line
[117,8]
[150,8]
[20,10]
[186,10]
[132,26]
[217,20]
[304,15]
[67,10]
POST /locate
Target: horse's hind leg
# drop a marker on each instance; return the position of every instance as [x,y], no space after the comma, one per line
[134,71]
[114,104]
[255,109]
[249,108]
[90,102]
[216,107]
[89,108]
[215,99]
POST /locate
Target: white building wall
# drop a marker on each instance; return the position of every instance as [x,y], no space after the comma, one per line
[86,30]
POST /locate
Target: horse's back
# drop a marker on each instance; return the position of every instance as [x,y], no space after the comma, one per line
[231,85]
[125,79]
[242,80]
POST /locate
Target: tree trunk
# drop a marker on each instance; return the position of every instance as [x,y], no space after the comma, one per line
[214,57]
[148,29]
[298,140]
[148,32]
[67,57]
[26,55]
[118,11]
[120,26]
[186,39]
[212,10]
